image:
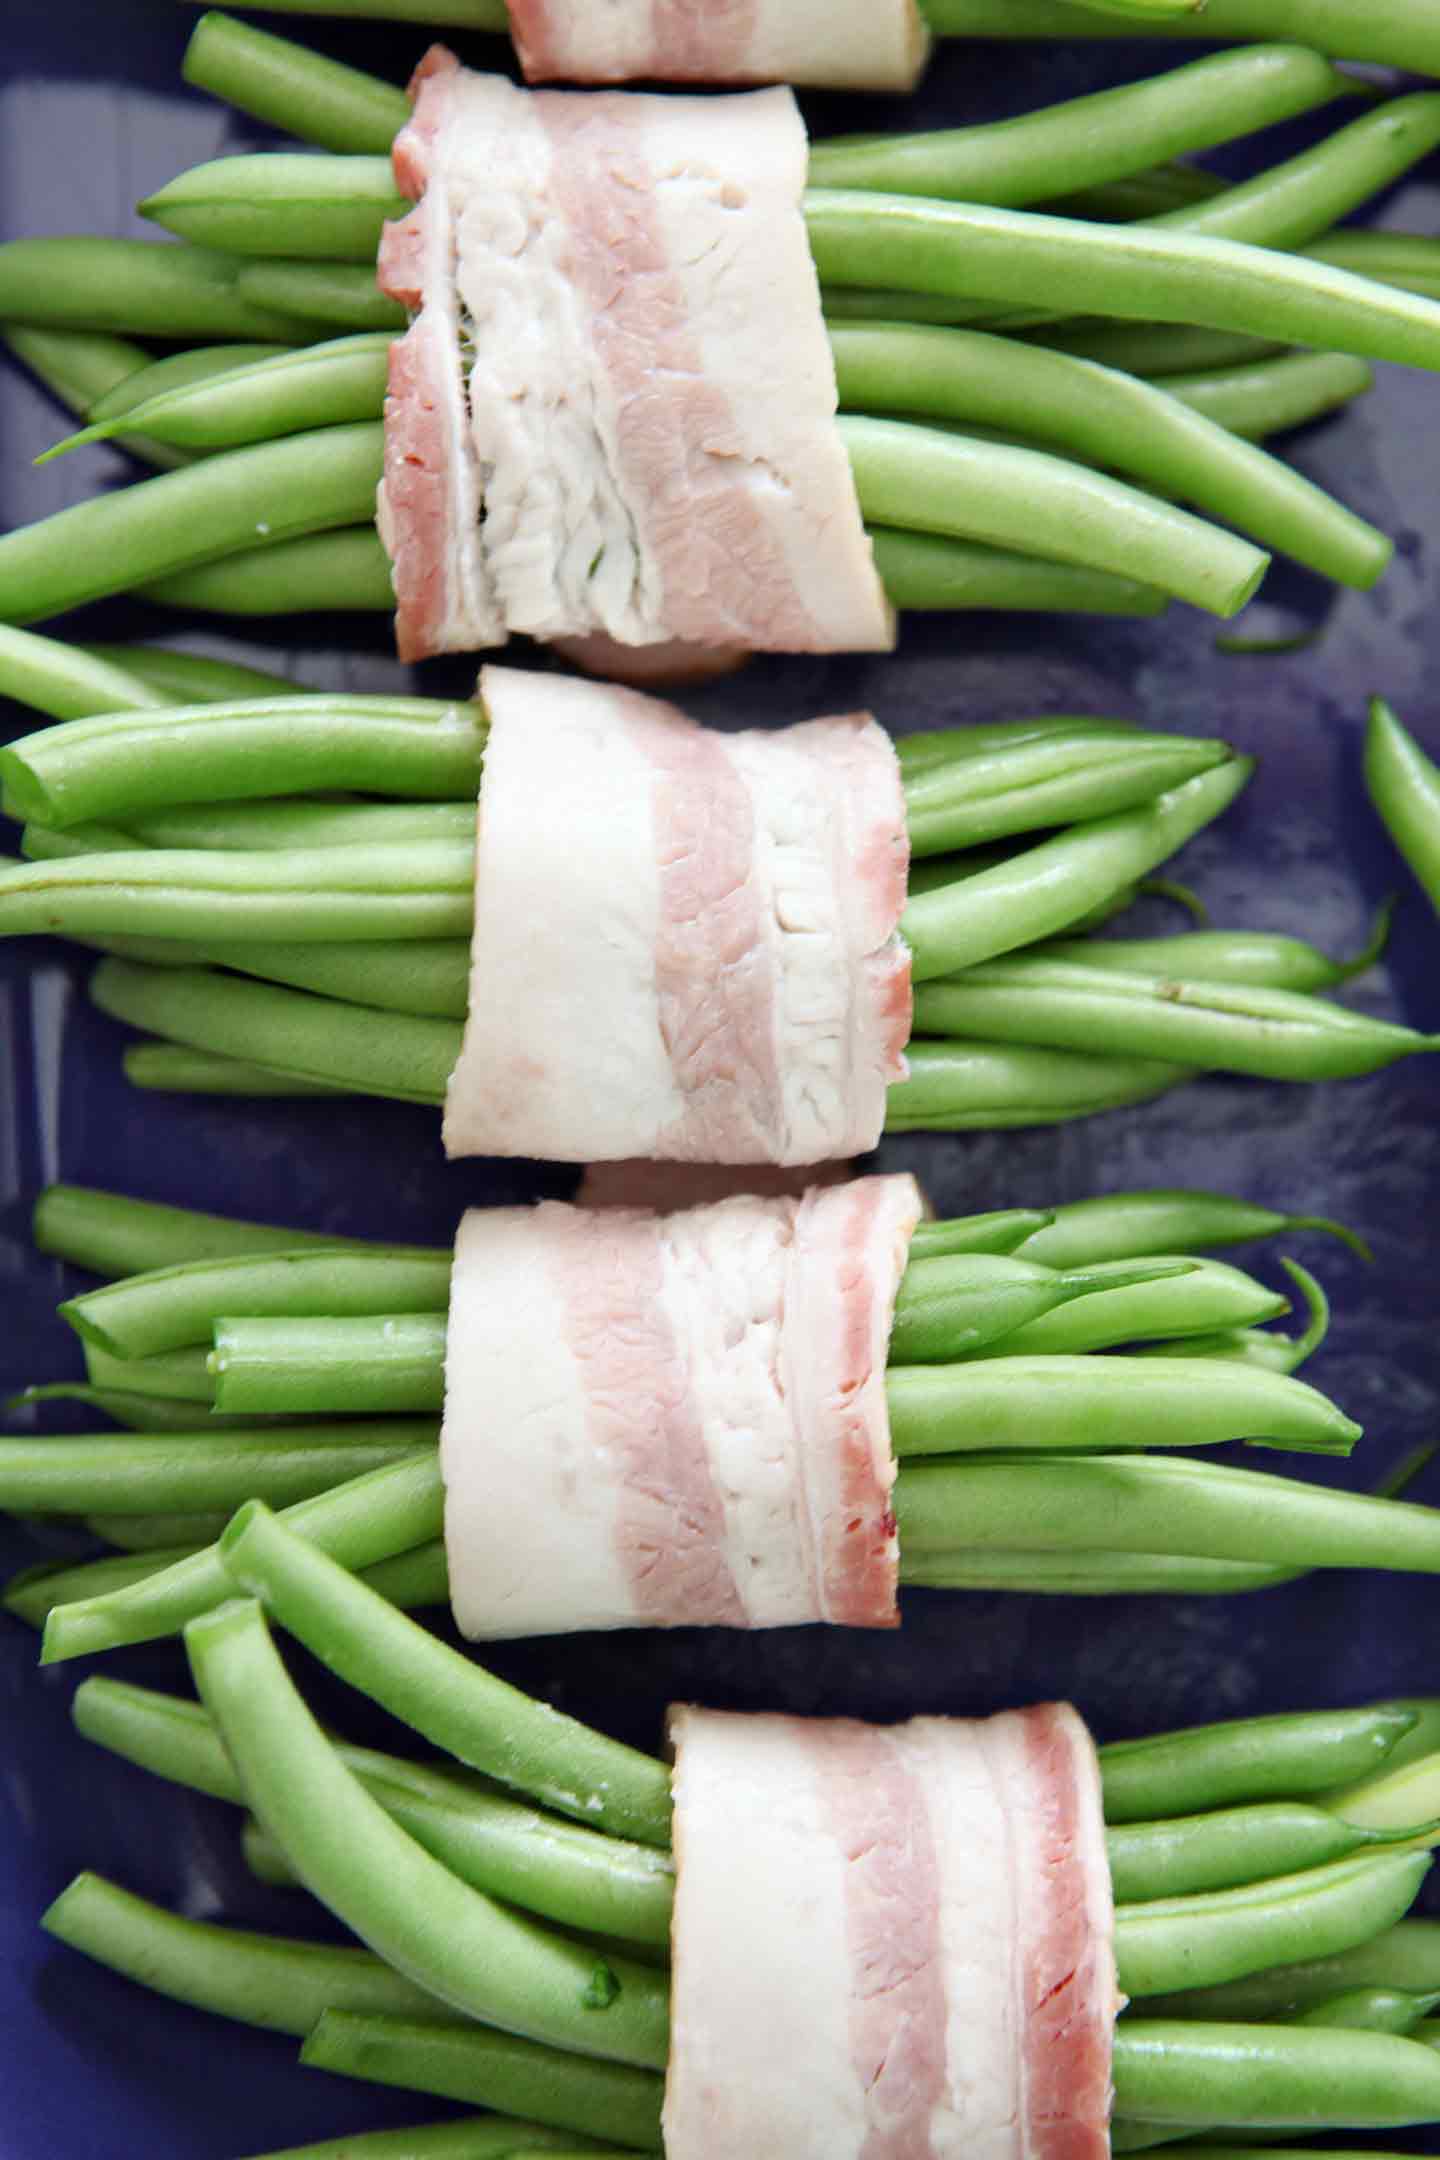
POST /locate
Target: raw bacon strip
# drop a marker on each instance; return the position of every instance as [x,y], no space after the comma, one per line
[685,942]
[650,391]
[889,1944]
[834,44]
[674,1420]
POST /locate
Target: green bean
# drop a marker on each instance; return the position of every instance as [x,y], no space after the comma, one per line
[158,1533]
[1267,397]
[345,572]
[1114,419]
[179,1374]
[455,1704]
[1153,1503]
[79,366]
[181,1472]
[264,1980]
[1109,135]
[300,821]
[281,393]
[412,1579]
[957,1304]
[282,203]
[177,371]
[1068,1402]
[168,1068]
[1140,271]
[288,87]
[976,1087]
[369,1519]
[933,571]
[1232,1027]
[352,1366]
[928,480]
[113,543]
[1159,350]
[490,2069]
[1131,1226]
[165,1308]
[1000,1230]
[1053,781]
[1404,1794]
[1247,1759]
[1088,1574]
[1206,1296]
[1047,886]
[498,1844]
[1423,1737]
[395,1055]
[183,678]
[1256,957]
[1404,786]
[35,1592]
[1141,195]
[1264,2075]
[132,1408]
[67,682]
[1261,1347]
[1392,32]
[429,976]
[322,895]
[1392,2010]
[123,764]
[1225,1848]
[1406,1956]
[1410,260]
[133,288]
[112,1235]
[1204,1940]
[472,2137]
[342,295]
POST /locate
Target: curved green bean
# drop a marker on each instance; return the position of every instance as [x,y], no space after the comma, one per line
[1128,1226]
[116,542]
[1000,1230]
[291,88]
[35,1592]
[1268,397]
[1121,422]
[257,399]
[1256,957]
[112,1235]
[1207,1296]
[453,1702]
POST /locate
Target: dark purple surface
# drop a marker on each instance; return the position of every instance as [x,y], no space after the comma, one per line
[90,118]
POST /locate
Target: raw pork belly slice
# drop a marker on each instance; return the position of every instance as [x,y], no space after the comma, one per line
[674,1420]
[889,1944]
[832,44]
[640,409]
[685,942]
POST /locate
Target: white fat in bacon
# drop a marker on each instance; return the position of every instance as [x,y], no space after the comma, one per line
[889,1943]
[685,942]
[832,44]
[649,396]
[673,1420]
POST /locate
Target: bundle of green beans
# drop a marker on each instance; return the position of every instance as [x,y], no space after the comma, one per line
[1396,33]
[977,451]
[279,942]
[1027,1460]
[513,1923]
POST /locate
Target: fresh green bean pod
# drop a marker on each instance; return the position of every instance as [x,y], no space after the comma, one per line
[1405,1956]
[282,203]
[961,1304]
[158,1533]
[1087,141]
[1225,1848]
[1125,1309]
[1234,1027]
[369,1519]
[1269,397]
[133,288]
[1156,350]
[1393,33]
[1404,786]
[929,480]
[355,1366]
[283,391]
[122,765]
[429,977]
[1078,1402]
[66,681]
[179,1473]
[339,296]
[130,1408]
[264,1980]
[1260,958]
[80,366]
[1129,1226]
[112,1235]
[165,1308]
[1084,1573]
[980,1087]
[1044,888]
[324,895]
[35,1592]
[1215,1936]
[1392,2010]
[1268,2076]
[183,678]
[168,1068]
[1000,1230]
[300,821]
[177,371]
[493,2070]
[114,543]
[1115,419]
[936,572]
[179,1374]
[453,1703]
[291,88]
[1247,1760]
